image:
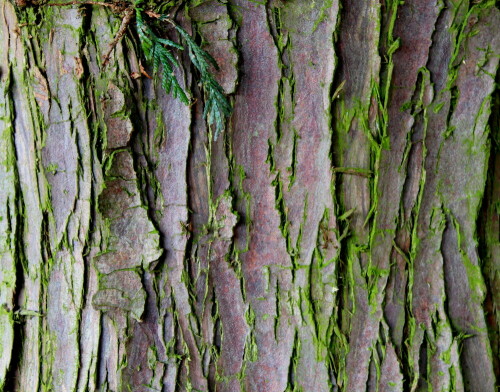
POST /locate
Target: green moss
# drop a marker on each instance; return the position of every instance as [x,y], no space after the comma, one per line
[251,349]
[323,13]
[474,274]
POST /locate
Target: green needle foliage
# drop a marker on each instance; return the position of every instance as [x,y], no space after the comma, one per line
[217,108]
[155,50]
[158,51]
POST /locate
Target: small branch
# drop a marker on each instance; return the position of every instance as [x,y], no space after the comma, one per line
[154,15]
[127,18]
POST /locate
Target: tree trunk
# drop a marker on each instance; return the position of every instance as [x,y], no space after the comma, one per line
[342,234]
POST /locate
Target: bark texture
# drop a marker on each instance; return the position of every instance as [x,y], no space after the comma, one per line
[343,234]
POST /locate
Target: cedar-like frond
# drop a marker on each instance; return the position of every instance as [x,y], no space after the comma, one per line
[217,107]
[155,50]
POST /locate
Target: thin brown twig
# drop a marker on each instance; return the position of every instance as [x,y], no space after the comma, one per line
[127,18]
[152,14]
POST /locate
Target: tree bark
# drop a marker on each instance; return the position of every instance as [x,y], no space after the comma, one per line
[343,234]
